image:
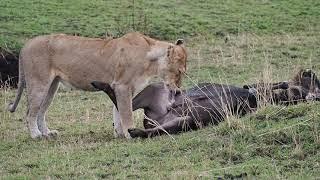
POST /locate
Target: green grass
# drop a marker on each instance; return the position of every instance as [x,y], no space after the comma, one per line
[277,141]
[235,42]
[22,19]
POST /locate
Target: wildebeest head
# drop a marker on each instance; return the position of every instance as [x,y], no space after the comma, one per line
[307,79]
[303,86]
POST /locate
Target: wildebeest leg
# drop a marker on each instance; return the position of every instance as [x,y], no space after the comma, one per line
[280,85]
[137,102]
[124,102]
[105,87]
[42,124]
[174,126]
[267,86]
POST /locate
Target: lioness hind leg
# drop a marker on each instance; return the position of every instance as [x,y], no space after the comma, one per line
[124,102]
[42,124]
[35,97]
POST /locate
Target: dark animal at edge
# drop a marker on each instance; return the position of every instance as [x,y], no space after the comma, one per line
[9,69]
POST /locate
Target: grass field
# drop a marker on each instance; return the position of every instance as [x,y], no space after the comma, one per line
[234,42]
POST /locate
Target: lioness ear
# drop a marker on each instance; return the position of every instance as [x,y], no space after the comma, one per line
[179,42]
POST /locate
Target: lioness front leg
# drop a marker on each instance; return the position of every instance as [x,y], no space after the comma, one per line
[124,102]
[118,132]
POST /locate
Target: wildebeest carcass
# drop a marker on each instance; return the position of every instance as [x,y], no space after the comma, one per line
[170,112]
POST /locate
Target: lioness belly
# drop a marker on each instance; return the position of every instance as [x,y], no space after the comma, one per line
[83,79]
[79,72]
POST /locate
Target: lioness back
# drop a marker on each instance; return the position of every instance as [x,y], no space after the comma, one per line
[79,60]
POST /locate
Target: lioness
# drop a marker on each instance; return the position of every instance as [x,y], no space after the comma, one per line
[126,63]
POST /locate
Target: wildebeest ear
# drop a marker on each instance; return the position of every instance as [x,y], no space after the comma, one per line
[105,87]
[179,42]
[284,85]
[307,73]
[246,87]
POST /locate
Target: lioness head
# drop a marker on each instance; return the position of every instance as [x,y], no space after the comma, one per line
[177,64]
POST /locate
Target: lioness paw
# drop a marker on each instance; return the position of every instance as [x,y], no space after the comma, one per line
[36,135]
[52,134]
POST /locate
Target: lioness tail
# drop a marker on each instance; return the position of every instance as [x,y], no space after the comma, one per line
[12,106]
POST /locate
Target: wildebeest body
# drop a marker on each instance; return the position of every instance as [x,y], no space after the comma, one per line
[194,108]
[200,106]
